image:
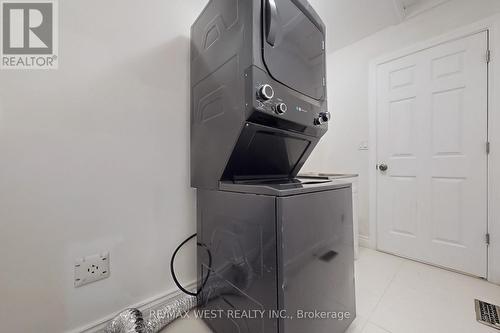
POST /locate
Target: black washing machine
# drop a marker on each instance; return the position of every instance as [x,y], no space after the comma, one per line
[281,247]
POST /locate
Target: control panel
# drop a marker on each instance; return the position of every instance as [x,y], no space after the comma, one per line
[265,93]
[271,98]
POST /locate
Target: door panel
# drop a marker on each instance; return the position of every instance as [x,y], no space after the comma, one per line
[458,89]
[446,217]
[398,122]
[316,271]
[292,40]
[404,209]
[432,130]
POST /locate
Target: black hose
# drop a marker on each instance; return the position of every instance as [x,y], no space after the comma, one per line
[173,271]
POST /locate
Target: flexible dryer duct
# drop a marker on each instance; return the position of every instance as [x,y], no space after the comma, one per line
[132,320]
[127,321]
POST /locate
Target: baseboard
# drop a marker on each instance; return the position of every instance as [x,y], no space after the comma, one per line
[145,306]
[364,241]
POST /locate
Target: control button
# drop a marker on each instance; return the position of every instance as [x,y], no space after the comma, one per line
[281,108]
[266,92]
[323,118]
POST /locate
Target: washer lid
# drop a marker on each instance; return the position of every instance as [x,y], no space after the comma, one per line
[282,188]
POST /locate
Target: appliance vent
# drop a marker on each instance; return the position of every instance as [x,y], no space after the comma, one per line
[488,314]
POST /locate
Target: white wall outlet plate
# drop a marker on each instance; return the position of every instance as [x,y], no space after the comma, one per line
[363,145]
[91,269]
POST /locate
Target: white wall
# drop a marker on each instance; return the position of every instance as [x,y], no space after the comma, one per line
[351,20]
[95,157]
[348,83]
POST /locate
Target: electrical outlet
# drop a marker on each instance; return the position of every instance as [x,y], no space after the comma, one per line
[91,269]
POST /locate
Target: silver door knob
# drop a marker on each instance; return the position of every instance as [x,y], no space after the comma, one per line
[383,167]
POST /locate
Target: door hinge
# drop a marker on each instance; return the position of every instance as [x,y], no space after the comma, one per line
[323,45]
[324,82]
[488,56]
[487,239]
[488,147]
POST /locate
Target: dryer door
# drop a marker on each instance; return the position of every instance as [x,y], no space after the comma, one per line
[294,47]
[265,152]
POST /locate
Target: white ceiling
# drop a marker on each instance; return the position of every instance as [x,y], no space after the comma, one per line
[351,20]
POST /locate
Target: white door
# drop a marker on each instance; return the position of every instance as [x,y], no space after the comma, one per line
[431,135]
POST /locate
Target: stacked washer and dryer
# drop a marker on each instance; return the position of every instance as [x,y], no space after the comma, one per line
[279,245]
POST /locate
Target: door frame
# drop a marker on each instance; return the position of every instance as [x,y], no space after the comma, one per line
[492,26]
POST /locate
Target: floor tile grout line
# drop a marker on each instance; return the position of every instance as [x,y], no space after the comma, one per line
[382,328]
[386,289]
[363,326]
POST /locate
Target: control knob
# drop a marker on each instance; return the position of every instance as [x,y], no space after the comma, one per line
[281,108]
[266,92]
[323,118]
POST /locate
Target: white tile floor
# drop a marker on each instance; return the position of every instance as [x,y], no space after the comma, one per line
[395,295]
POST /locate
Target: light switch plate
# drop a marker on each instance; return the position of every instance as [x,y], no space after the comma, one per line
[363,145]
[91,269]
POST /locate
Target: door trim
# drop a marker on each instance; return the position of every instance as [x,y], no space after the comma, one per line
[492,27]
